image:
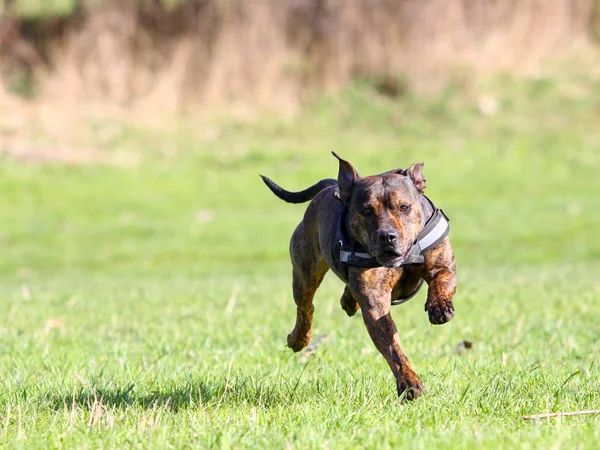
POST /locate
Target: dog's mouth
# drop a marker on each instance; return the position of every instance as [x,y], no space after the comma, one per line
[390,258]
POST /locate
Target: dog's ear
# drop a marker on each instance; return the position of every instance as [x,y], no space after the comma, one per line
[415,172]
[347,175]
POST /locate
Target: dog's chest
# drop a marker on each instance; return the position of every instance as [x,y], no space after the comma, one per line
[408,284]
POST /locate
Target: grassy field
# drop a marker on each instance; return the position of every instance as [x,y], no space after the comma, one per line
[148,307]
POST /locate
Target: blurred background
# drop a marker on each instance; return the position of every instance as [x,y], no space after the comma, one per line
[185,102]
[181,55]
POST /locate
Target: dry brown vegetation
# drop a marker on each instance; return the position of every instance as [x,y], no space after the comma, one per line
[274,53]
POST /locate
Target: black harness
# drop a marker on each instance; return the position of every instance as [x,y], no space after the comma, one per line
[347,252]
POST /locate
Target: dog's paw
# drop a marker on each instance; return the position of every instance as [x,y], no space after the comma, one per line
[410,390]
[440,313]
[297,343]
[349,305]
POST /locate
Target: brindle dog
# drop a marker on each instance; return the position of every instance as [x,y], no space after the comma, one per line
[386,212]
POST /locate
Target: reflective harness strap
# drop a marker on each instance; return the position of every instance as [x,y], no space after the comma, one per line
[434,232]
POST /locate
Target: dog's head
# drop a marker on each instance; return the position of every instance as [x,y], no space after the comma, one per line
[385,211]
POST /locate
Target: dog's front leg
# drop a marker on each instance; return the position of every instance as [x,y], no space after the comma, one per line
[373,293]
[440,275]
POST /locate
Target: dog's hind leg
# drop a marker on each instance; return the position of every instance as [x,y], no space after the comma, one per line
[304,286]
[308,272]
[349,304]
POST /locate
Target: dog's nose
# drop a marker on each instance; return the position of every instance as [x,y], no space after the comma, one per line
[388,237]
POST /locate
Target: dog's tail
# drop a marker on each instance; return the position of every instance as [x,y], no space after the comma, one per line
[298,197]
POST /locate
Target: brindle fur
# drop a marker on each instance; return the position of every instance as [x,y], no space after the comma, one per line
[387,232]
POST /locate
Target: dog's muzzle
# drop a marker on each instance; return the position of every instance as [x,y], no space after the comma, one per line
[435,230]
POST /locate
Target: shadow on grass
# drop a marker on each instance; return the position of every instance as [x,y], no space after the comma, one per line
[208,394]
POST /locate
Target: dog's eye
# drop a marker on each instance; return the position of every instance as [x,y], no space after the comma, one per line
[404,208]
[367,211]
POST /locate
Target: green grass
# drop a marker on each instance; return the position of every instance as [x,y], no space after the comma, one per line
[149,307]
